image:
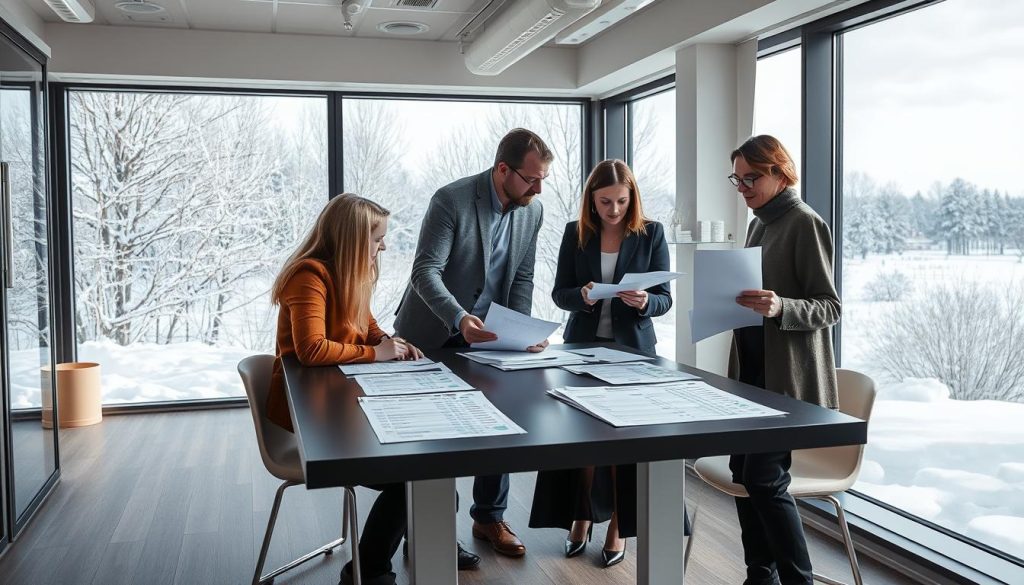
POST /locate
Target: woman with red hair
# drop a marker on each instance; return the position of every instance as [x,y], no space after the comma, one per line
[790,353]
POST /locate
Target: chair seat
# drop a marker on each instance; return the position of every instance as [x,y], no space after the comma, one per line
[809,477]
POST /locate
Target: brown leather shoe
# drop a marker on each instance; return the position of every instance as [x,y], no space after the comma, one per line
[501,537]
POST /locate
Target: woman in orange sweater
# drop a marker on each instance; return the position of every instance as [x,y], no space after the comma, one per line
[324,293]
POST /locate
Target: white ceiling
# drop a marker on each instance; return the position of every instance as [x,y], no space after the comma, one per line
[313,17]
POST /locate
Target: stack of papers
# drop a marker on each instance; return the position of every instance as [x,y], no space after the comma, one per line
[515,331]
[632,281]
[632,373]
[411,383]
[397,419]
[610,356]
[521,360]
[678,402]
[420,365]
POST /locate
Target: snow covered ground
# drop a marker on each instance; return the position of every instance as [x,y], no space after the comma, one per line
[957,463]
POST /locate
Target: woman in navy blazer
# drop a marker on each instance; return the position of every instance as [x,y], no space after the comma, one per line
[611,238]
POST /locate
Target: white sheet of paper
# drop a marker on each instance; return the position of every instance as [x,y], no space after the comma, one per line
[411,383]
[632,281]
[610,356]
[423,417]
[515,331]
[518,360]
[631,373]
[420,365]
[718,278]
[692,401]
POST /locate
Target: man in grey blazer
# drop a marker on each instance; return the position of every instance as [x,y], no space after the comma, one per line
[478,244]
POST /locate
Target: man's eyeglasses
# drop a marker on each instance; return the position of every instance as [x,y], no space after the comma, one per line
[533,182]
[747,181]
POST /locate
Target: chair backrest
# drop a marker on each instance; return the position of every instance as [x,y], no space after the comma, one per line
[256,372]
[857,399]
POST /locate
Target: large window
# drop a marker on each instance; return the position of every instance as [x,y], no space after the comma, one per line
[652,124]
[184,207]
[932,275]
[400,151]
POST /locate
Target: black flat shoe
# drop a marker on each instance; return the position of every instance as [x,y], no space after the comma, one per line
[463,560]
[612,557]
[574,548]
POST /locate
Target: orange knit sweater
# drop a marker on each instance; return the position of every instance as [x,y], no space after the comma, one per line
[310,327]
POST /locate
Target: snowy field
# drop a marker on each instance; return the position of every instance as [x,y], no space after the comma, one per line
[957,463]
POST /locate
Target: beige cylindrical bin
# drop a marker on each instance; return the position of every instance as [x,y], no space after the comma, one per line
[79,400]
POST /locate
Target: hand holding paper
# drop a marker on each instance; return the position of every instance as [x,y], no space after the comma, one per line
[515,331]
[719,276]
[632,282]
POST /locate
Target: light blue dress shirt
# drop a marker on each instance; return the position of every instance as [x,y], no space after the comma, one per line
[501,235]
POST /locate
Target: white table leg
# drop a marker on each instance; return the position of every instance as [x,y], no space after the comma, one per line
[660,509]
[431,532]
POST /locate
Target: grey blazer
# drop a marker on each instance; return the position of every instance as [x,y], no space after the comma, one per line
[453,256]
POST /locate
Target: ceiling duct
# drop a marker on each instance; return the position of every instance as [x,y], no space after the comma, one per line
[519,29]
[73,10]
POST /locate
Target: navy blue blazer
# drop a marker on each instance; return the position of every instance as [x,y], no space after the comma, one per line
[638,253]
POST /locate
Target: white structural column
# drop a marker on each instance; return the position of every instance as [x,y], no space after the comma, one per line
[431,531]
[714,113]
[659,522]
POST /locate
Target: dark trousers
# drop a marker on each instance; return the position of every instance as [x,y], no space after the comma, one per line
[490,492]
[383,531]
[772,534]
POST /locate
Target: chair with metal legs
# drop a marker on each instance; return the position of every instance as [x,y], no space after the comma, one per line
[817,474]
[280,452]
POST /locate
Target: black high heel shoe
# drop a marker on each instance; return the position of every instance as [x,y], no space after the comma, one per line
[573,548]
[613,557]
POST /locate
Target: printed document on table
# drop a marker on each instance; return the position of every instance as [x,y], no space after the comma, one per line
[610,356]
[632,281]
[411,383]
[422,417]
[393,367]
[522,360]
[515,330]
[631,373]
[718,278]
[678,402]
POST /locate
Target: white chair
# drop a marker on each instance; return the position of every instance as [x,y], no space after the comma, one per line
[280,452]
[816,473]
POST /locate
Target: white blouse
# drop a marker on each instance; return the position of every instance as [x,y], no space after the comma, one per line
[604,324]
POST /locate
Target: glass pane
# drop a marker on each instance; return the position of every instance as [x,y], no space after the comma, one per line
[778,100]
[184,207]
[399,152]
[28,299]
[932,280]
[653,127]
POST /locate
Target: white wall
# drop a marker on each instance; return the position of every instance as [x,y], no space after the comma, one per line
[24,20]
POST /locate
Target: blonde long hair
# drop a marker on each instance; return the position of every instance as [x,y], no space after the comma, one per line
[606,173]
[340,239]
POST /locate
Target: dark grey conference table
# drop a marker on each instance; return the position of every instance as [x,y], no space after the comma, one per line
[339,448]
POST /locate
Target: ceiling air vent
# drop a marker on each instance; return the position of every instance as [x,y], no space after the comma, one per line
[414,3]
[72,10]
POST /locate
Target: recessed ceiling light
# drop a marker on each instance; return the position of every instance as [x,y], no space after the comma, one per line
[139,7]
[403,28]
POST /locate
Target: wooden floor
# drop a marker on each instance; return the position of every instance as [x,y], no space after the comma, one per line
[184,498]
